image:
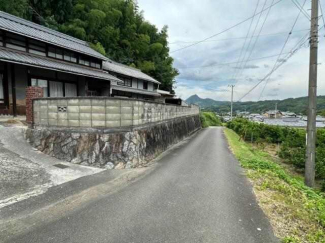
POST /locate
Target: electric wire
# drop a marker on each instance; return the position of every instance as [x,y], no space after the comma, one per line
[284,45]
[301,9]
[236,38]
[238,71]
[322,13]
[299,45]
[249,29]
[232,27]
[256,40]
[235,62]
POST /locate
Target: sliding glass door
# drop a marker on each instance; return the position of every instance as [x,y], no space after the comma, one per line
[70,90]
[42,83]
[55,88]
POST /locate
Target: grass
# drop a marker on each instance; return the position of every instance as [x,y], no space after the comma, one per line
[296,212]
[209,119]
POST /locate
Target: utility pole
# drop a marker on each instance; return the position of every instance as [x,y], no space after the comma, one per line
[312,99]
[232,99]
[276,109]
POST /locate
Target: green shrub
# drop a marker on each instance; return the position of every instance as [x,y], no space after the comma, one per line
[209,119]
[292,141]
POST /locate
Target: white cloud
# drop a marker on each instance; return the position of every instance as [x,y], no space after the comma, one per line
[192,20]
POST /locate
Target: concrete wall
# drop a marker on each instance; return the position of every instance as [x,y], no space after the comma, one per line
[115,149]
[103,112]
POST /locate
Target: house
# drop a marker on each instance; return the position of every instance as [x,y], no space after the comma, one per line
[133,83]
[164,95]
[33,55]
[272,114]
[242,113]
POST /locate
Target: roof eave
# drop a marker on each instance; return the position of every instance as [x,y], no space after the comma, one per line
[60,70]
[99,56]
[145,79]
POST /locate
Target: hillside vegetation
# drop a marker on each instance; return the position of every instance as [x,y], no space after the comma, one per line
[298,105]
[292,142]
[116,28]
[209,119]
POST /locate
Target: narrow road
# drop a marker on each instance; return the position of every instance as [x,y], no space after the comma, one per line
[197,193]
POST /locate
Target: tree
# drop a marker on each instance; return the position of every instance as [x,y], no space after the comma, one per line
[112,27]
[15,7]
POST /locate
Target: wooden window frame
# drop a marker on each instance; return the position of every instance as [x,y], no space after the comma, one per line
[56,79]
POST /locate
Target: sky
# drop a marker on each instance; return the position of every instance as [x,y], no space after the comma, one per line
[204,68]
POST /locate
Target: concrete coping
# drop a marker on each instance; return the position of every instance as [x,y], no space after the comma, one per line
[109,98]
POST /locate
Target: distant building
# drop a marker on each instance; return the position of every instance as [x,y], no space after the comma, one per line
[243,113]
[289,114]
[272,114]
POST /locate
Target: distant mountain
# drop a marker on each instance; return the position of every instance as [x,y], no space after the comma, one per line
[297,105]
[205,103]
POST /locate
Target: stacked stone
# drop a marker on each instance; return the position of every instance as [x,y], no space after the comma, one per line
[116,149]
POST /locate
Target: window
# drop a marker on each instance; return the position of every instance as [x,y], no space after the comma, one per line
[83,60]
[40,83]
[59,54]
[16,42]
[55,53]
[56,89]
[125,81]
[70,57]
[145,85]
[36,47]
[95,64]
[70,90]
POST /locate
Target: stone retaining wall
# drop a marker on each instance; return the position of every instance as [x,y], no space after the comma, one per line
[119,149]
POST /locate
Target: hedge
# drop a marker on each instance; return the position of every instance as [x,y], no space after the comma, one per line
[292,141]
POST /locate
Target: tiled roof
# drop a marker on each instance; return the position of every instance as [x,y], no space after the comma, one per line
[52,64]
[29,29]
[128,71]
[133,90]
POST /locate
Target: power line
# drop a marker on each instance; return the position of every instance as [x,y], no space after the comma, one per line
[321,9]
[256,40]
[284,45]
[230,63]
[196,43]
[301,8]
[249,29]
[294,51]
[236,38]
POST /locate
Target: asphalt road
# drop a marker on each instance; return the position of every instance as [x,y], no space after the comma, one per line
[196,193]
